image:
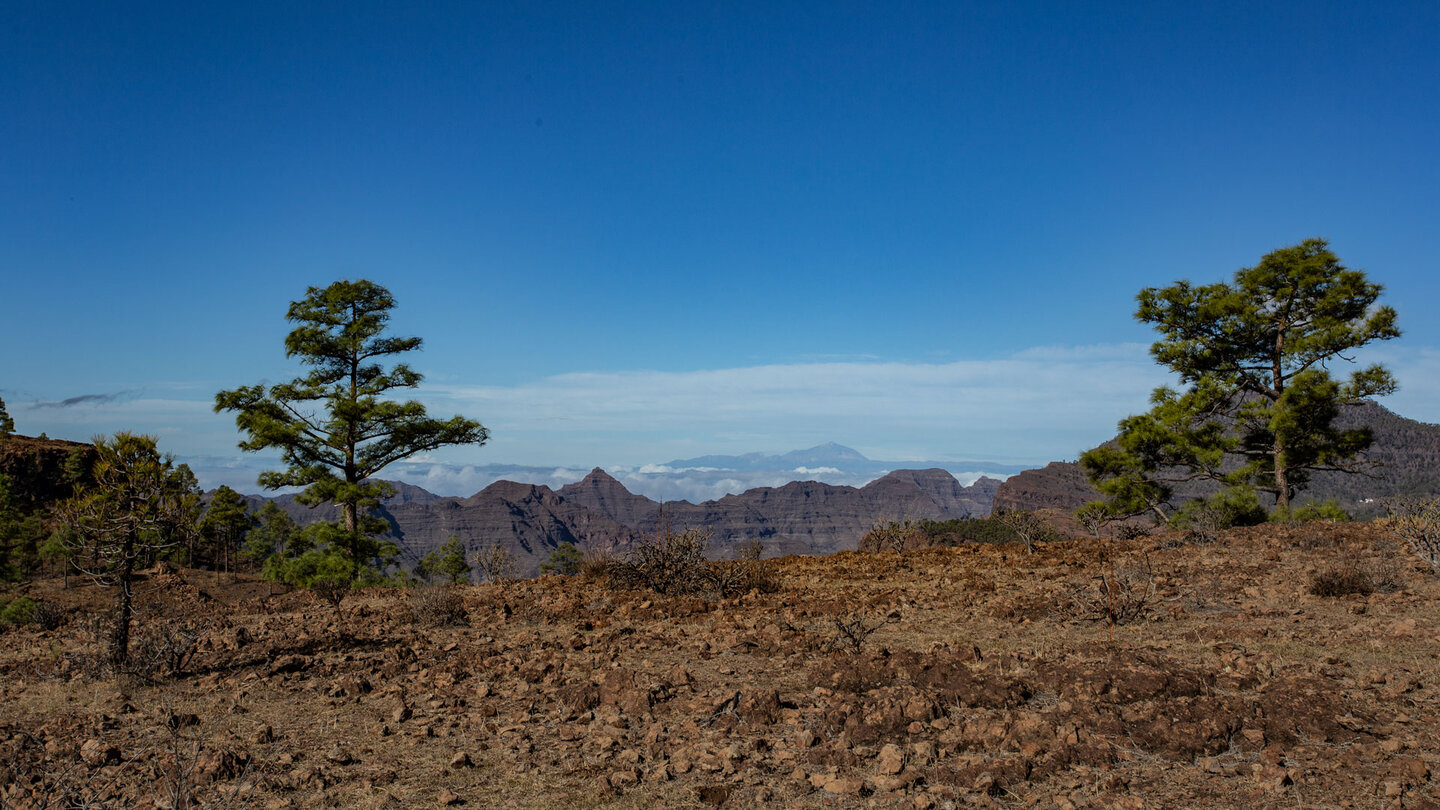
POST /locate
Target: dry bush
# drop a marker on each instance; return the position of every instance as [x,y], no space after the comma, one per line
[895,535]
[163,650]
[595,564]
[439,607]
[48,616]
[1093,516]
[1029,526]
[671,563]
[159,650]
[495,564]
[1417,522]
[1342,579]
[1118,596]
[1131,531]
[332,590]
[852,631]
[750,550]
[745,575]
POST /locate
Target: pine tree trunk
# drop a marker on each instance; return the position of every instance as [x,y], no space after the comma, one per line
[120,634]
[1282,482]
[1277,380]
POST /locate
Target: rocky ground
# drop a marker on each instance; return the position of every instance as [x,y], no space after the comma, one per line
[966,677]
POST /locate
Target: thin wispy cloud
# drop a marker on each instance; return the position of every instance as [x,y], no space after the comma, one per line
[88,399]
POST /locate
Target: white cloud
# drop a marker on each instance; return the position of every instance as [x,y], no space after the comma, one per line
[1031,405]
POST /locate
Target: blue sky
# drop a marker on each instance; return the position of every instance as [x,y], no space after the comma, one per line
[636,232]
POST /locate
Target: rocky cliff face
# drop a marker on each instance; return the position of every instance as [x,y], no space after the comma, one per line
[529,520]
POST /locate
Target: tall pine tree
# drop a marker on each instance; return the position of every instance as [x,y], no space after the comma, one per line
[337,427]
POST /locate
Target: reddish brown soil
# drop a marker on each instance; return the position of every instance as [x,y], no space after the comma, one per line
[988,677]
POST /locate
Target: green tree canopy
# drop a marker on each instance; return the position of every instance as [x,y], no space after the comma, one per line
[1260,402]
[273,532]
[226,521]
[335,427]
[140,503]
[565,560]
[453,562]
[20,534]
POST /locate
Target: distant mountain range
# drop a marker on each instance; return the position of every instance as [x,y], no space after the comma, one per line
[690,479]
[598,512]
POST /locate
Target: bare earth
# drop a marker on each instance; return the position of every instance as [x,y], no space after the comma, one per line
[992,678]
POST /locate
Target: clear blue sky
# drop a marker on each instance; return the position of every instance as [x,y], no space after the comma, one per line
[635,232]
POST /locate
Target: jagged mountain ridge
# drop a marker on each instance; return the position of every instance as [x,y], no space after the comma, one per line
[599,513]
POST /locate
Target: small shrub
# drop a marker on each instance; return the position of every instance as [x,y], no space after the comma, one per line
[18,611]
[896,535]
[565,561]
[595,564]
[1342,579]
[439,607]
[1322,512]
[1205,518]
[495,564]
[163,650]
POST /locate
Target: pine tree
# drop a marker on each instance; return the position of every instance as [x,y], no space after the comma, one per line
[140,504]
[565,560]
[334,427]
[225,524]
[272,534]
[453,563]
[1260,403]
